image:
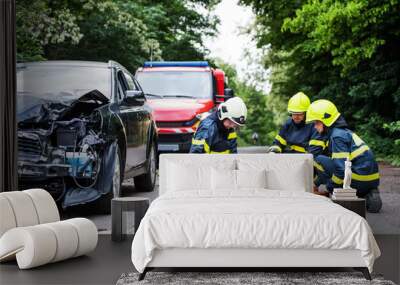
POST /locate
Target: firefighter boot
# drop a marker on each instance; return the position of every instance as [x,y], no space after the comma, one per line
[373,201]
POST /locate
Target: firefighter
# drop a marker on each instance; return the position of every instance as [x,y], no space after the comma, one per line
[343,144]
[296,136]
[216,133]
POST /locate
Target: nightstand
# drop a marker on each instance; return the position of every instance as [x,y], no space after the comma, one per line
[357,205]
[126,214]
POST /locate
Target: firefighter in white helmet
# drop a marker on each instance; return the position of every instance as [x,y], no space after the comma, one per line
[216,133]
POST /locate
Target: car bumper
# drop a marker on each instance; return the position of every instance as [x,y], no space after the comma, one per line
[27,170]
[174,142]
[55,186]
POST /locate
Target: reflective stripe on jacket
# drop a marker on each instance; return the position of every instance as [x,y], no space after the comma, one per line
[344,143]
[300,138]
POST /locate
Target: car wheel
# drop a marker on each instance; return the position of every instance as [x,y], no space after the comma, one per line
[147,181]
[103,204]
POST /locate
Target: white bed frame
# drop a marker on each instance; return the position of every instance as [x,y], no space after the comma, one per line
[256,258]
[234,257]
[253,258]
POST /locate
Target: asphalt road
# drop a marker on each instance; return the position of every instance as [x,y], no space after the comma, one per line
[385,222]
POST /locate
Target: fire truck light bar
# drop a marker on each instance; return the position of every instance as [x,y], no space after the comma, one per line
[175,63]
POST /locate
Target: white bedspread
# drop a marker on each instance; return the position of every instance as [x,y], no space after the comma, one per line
[250,219]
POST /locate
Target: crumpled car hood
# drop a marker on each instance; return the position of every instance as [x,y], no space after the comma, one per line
[53,111]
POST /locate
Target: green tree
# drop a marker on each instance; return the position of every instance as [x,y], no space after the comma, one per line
[39,25]
[111,30]
[345,51]
[126,31]
[180,28]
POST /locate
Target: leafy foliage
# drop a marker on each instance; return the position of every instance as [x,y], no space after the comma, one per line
[342,50]
[39,24]
[351,31]
[126,31]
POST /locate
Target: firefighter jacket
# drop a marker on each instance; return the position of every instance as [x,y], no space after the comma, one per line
[299,138]
[343,143]
[212,137]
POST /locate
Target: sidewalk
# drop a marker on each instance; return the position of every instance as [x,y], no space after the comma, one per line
[387,221]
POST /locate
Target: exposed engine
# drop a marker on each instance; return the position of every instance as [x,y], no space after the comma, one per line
[61,146]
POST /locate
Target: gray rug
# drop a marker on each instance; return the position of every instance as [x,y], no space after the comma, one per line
[243,278]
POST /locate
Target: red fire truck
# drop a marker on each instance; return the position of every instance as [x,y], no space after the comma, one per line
[181,94]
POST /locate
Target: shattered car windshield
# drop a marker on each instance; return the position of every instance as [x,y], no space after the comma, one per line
[40,84]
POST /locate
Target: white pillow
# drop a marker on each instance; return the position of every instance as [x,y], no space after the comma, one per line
[231,180]
[193,174]
[251,178]
[284,171]
[223,179]
[279,180]
[187,177]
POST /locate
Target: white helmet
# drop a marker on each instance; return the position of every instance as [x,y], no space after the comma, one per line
[233,109]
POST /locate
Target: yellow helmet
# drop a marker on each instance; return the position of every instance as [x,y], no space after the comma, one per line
[324,111]
[298,103]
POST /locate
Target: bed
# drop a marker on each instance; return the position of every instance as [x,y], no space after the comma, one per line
[247,210]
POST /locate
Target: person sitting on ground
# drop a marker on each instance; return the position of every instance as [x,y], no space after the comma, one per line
[344,144]
[216,133]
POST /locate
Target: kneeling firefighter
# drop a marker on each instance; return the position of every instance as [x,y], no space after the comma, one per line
[296,136]
[216,133]
[343,144]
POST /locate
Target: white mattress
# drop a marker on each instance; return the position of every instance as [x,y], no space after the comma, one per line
[263,219]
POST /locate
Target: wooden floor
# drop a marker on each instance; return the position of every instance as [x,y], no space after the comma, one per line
[110,259]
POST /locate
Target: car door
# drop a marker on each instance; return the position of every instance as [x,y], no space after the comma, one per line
[130,115]
[144,113]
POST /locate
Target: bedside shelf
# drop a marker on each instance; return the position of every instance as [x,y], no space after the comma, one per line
[357,205]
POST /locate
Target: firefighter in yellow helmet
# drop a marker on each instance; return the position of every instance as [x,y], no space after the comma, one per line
[344,144]
[296,136]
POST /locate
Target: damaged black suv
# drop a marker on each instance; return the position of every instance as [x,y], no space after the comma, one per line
[82,128]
